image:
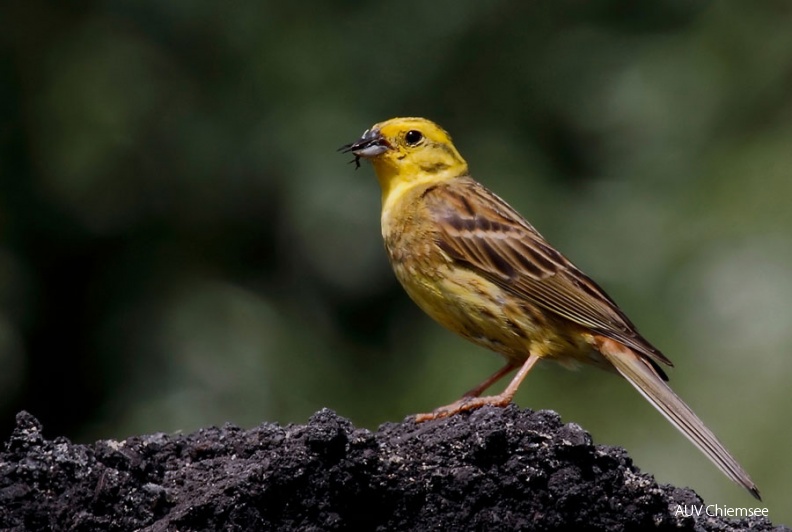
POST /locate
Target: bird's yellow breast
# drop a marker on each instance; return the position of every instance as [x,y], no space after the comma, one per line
[461,299]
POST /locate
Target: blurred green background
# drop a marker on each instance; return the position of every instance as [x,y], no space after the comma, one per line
[182,246]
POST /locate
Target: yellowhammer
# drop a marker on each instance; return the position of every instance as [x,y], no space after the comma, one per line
[476,266]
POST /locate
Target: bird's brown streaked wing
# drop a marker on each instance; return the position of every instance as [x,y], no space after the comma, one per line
[480,231]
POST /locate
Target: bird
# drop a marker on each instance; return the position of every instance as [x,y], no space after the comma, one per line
[475,265]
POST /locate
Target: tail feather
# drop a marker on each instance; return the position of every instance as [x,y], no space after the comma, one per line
[640,374]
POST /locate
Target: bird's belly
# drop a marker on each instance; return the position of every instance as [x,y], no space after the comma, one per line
[490,316]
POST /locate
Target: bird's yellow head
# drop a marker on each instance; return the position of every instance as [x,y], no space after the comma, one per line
[406,152]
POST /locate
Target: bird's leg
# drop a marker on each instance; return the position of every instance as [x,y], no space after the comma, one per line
[471,402]
[492,379]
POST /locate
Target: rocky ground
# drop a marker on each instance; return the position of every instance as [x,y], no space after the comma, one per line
[493,469]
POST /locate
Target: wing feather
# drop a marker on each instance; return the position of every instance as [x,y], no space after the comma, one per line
[480,231]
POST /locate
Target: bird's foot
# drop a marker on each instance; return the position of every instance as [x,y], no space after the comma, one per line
[466,403]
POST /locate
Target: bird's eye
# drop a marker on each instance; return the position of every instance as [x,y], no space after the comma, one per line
[413,137]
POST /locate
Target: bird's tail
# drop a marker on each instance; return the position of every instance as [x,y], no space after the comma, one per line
[643,377]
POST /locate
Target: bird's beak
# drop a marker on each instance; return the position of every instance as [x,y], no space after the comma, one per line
[371,144]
